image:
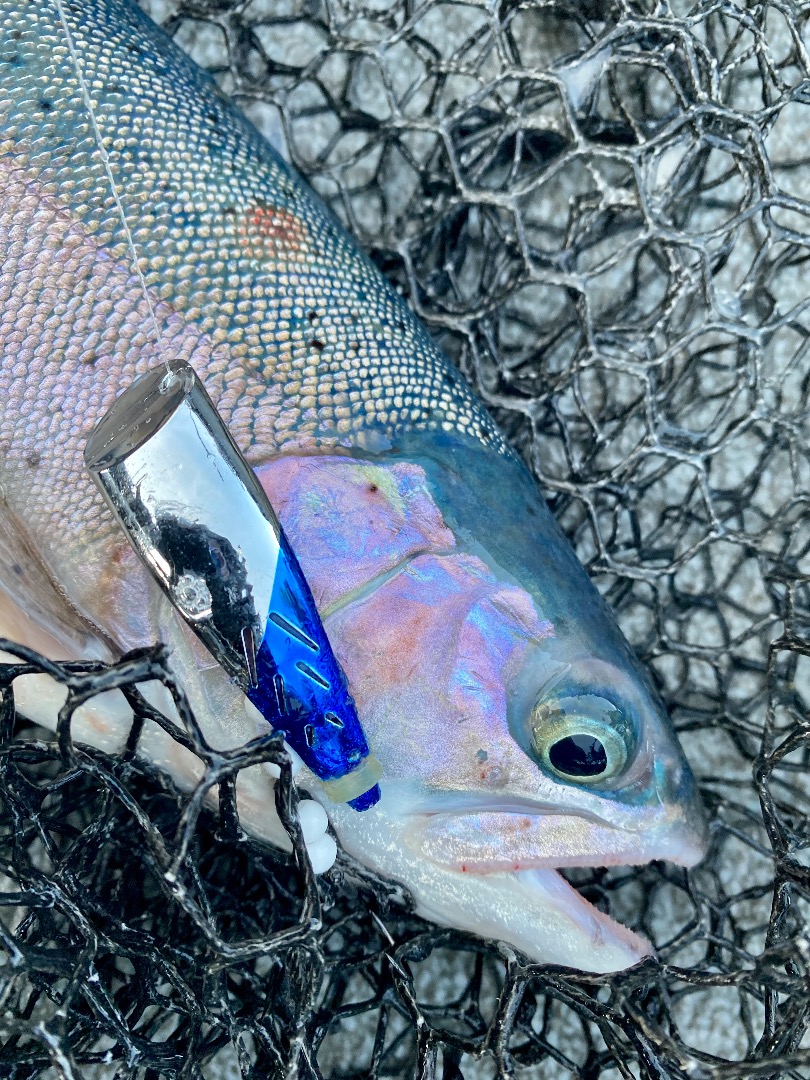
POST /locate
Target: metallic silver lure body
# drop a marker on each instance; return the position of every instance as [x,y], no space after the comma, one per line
[196,514]
[517,731]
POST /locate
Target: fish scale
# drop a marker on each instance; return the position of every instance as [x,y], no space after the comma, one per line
[255,283]
[227,236]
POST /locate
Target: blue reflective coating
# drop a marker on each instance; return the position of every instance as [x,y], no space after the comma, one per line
[367,799]
[300,688]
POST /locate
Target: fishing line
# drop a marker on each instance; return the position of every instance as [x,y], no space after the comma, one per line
[105,158]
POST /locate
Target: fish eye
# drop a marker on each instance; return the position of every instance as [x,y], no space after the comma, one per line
[583,739]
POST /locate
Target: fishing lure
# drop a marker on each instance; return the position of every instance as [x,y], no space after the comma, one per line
[194,511]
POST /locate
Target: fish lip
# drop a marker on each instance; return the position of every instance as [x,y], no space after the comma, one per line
[682,838]
[600,924]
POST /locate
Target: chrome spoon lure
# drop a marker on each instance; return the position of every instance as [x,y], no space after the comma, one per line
[199,519]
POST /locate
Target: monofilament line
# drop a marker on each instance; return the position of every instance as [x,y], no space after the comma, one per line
[105,158]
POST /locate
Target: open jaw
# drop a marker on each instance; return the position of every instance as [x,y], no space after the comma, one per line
[596,934]
[497,874]
[536,909]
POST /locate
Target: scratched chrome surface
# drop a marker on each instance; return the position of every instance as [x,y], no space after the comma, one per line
[451,596]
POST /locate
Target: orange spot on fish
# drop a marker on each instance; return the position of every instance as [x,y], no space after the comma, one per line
[266,231]
[119,554]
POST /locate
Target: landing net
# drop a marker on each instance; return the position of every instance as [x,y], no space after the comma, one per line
[600,211]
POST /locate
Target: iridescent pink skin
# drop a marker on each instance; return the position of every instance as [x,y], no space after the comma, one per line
[450,595]
[446,656]
[359,521]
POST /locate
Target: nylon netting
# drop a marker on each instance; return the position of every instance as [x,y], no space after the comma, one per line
[598,209]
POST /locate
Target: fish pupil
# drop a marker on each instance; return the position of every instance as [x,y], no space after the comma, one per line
[578,755]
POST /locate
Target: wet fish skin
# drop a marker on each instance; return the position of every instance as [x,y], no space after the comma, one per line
[453,601]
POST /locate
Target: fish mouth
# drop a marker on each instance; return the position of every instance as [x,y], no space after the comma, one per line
[532,907]
[599,932]
[531,847]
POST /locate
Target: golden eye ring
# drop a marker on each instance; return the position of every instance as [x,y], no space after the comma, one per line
[581,740]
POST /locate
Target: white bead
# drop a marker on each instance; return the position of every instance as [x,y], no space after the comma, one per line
[322,853]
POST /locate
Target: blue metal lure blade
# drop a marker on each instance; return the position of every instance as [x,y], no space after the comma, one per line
[300,686]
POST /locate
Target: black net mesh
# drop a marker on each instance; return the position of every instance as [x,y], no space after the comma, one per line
[598,209]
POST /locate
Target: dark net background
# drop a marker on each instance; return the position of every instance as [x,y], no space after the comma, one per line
[599,210]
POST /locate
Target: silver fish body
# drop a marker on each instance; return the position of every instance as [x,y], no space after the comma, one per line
[474,644]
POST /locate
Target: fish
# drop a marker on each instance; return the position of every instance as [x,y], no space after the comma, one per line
[518,732]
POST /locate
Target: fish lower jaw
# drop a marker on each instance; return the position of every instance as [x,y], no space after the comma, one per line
[532,909]
[577,917]
[571,932]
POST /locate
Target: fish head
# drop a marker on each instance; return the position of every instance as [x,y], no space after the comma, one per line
[518,732]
